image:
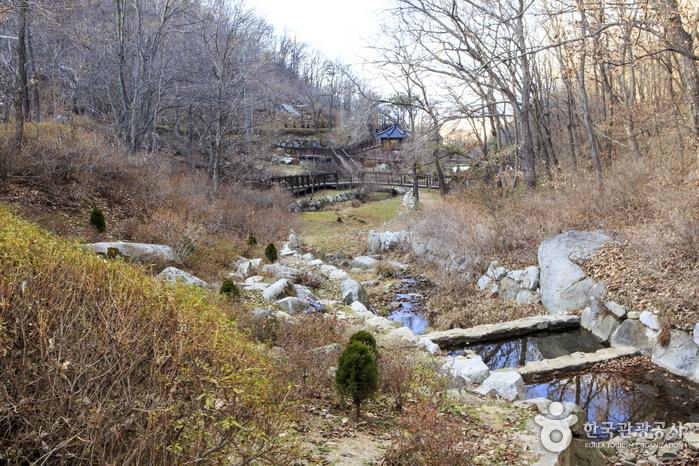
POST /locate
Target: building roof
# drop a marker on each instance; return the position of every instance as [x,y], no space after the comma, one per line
[392,132]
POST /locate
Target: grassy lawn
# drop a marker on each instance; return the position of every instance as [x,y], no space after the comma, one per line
[323,232]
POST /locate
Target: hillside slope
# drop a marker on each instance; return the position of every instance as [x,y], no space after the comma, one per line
[101,364]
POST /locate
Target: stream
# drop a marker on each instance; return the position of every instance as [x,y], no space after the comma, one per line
[611,400]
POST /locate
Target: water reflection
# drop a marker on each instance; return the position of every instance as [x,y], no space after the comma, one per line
[409,312]
[632,396]
[535,347]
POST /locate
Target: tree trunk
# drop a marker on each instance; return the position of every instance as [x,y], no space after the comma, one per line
[527,140]
[22,59]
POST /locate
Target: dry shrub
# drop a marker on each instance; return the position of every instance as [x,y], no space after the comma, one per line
[311,280]
[428,437]
[398,374]
[99,364]
[306,363]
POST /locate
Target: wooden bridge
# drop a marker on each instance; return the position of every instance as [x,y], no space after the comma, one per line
[303,184]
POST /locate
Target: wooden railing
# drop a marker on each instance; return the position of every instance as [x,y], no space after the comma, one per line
[299,184]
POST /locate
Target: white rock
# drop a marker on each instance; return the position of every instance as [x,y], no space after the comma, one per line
[292,305]
[695,334]
[279,289]
[402,335]
[138,251]
[173,274]
[308,257]
[361,310]
[379,242]
[650,320]
[564,285]
[280,271]
[466,370]
[680,356]
[363,263]
[247,266]
[617,309]
[304,292]
[516,275]
[379,324]
[633,315]
[315,263]
[484,281]
[508,384]
[530,278]
[430,346]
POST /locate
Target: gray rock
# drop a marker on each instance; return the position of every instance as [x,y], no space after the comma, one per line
[304,292]
[308,257]
[363,262]
[564,285]
[695,334]
[247,267]
[292,305]
[316,263]
[650,320]
[508,384]
[173,274]
[141,252]
[680,356]
[526,296]
[353,291]
[633,315]
[530,278]
[509,289]
[495,272]
[466,370]
[631,332]
[379,242]
[617,309]
[279,289]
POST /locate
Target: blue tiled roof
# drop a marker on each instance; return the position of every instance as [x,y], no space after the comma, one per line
[393,132]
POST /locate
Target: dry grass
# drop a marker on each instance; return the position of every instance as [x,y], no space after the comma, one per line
[102,365]
[649,206]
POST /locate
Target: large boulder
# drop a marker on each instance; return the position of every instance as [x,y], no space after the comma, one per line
[632,332]
[278,290]
[379,242]
[680,356]
[601,324]
[507,384]
[353,291]
[564,285]
[466,370]
[173,274]
[141,252]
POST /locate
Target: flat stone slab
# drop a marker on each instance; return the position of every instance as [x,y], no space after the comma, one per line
[574,361]
[513,328]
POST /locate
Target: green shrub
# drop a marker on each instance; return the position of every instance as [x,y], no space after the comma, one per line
[252,241]
[271,252]
[97,219]
[357,374]
[228,287]
[365,338]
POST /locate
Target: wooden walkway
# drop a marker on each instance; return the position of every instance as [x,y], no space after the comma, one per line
[302,184]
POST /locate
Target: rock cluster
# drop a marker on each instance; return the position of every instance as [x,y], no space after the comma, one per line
[521,286]
[312,205]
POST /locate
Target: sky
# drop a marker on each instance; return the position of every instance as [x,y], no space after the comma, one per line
[339,29]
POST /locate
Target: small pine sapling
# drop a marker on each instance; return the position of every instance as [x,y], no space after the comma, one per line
[357,374]
[97,219]
[271,252]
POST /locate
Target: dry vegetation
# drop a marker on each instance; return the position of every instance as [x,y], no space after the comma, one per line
[66,169]
[102,365]
[651,206]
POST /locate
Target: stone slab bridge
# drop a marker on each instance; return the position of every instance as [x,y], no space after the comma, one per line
[303,184]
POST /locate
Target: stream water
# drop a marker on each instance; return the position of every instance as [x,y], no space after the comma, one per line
[409,307]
